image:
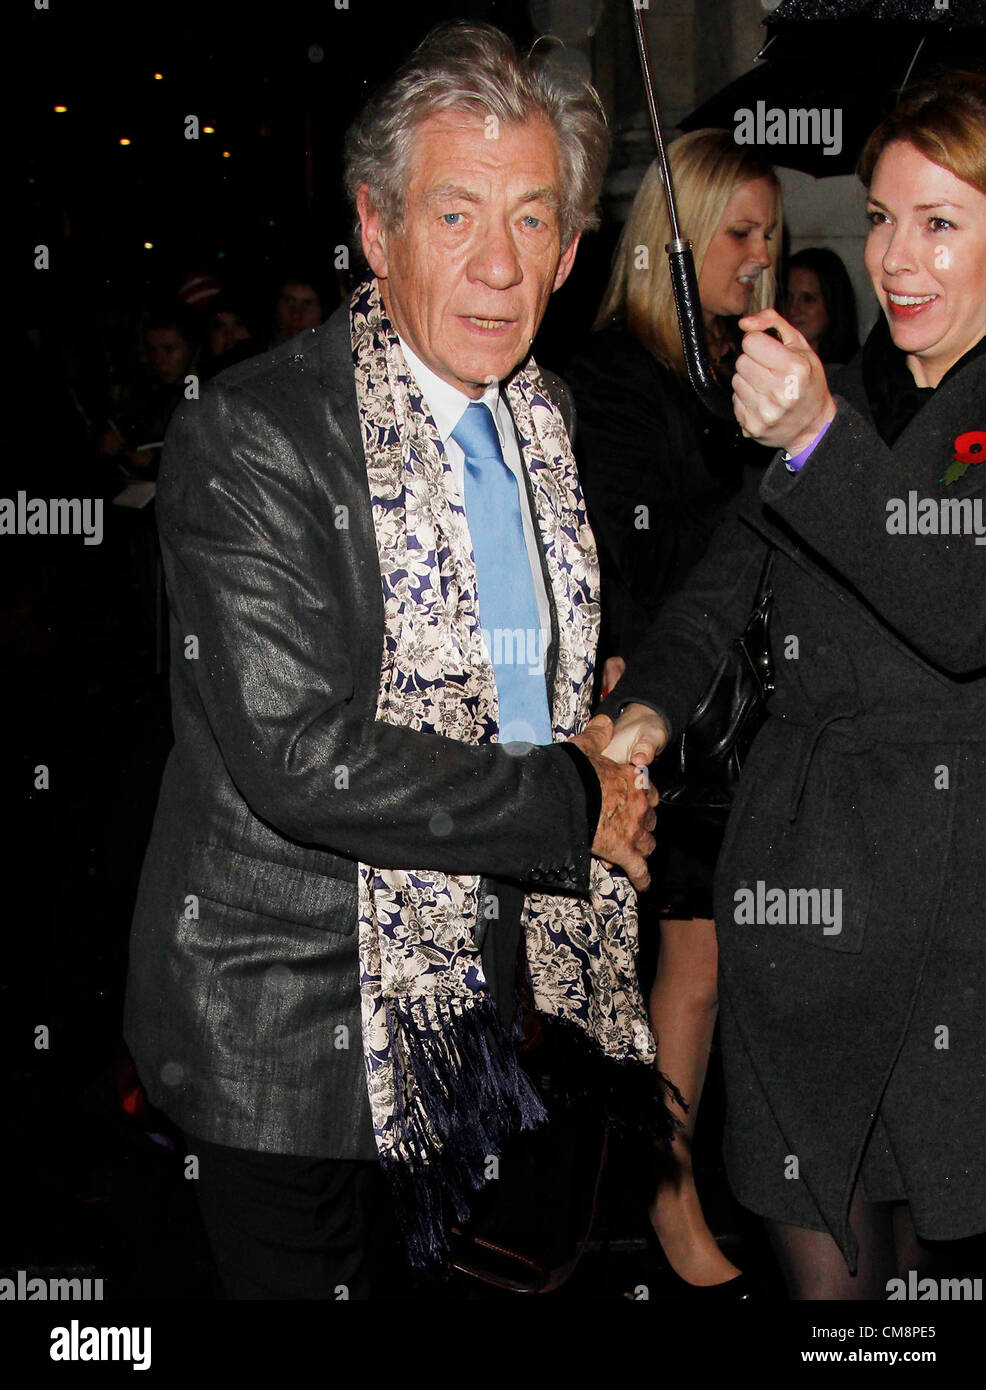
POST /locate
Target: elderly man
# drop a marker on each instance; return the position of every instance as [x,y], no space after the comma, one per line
[384,616]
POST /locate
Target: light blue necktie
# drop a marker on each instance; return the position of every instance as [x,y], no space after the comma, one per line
[507,604]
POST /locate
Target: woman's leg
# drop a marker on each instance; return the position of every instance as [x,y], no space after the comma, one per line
[937,1259]
[813,1266]
[683,1006]
[910,1254]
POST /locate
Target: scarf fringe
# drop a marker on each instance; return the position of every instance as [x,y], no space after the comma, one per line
[471,1097]
[468,1095]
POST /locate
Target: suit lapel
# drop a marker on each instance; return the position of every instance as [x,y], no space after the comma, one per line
[334,357]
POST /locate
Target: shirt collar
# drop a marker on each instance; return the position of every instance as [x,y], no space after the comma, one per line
[446,403]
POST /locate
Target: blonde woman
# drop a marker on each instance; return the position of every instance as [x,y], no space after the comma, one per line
[658,471]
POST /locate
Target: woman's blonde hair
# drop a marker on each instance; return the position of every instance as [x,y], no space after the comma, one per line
[707,167]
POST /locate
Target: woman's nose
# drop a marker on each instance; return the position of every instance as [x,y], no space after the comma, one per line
[899,255]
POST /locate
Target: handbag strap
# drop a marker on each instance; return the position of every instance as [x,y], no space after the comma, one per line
[764,589]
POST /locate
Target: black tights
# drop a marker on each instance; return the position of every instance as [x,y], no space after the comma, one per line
[813,1266]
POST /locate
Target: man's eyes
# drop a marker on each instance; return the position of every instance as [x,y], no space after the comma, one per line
[454,219]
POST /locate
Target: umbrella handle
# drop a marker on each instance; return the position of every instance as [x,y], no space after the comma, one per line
[684,283]
[691,326]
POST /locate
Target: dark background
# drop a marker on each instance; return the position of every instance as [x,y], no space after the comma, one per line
[93,1182]
[278,83]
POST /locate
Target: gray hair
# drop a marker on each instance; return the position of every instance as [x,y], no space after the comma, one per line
[477,68]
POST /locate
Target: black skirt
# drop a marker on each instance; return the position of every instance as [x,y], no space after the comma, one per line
[682,866]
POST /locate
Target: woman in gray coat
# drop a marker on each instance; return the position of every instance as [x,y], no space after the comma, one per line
[851,886]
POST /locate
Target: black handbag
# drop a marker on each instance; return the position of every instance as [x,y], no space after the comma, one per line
[699,771]
[530,1226]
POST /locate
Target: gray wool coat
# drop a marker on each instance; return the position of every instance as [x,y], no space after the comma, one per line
[862,1033]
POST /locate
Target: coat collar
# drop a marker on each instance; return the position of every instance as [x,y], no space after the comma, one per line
[879,384]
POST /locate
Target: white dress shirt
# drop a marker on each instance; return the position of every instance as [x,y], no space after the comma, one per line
[447,406]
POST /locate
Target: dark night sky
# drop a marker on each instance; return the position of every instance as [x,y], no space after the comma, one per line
[245,70]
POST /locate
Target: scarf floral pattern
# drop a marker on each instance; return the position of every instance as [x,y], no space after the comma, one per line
[444,1084]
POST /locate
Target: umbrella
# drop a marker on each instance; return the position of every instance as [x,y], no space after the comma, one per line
[684,282]
[831,70]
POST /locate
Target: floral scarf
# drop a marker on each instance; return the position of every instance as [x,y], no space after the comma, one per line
[444,1083]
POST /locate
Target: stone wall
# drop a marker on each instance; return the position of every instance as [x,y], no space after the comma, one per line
[697,47]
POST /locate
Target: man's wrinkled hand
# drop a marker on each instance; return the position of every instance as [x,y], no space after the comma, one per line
[623,835]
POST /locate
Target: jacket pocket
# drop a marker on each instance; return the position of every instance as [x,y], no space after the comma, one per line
[271,889]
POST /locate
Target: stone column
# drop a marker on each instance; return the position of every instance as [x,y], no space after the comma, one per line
[669,26]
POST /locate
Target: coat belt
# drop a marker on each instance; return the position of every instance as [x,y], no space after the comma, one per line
[916,725]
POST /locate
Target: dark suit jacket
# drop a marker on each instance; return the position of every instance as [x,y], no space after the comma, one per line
[884,686]
[243,1006]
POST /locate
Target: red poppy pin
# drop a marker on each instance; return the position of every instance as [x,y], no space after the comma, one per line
[970,448]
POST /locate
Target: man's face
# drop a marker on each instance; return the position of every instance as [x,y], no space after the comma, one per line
[298,308]
[466,279]
[226,331]
[168,353]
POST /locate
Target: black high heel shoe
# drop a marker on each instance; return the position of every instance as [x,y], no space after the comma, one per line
[740,1289]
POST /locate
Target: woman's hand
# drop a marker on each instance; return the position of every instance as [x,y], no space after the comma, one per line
[780,395]
[612,671]
[638,736]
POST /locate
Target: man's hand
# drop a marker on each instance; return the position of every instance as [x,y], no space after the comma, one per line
[627,817]
[780,395]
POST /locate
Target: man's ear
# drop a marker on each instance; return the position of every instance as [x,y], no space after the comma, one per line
[371,233]
[566,262]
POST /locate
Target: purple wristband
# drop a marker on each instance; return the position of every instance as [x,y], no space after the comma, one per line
[797,461]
